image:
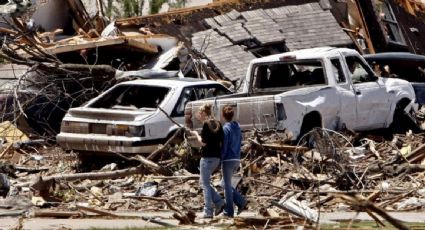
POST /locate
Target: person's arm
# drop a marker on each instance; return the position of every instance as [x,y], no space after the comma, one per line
[204,134]
[226,140]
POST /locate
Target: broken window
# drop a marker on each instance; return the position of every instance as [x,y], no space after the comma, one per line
[300,73]
[337,71]
[389,22]
[359,71]
[197,93]
[132,97]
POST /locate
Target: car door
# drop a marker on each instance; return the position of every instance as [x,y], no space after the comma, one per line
[347,98]
[372,99]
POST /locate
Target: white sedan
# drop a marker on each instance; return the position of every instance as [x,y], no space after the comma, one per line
[126,118]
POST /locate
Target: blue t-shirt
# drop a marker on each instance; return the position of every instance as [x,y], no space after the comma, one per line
[232,141]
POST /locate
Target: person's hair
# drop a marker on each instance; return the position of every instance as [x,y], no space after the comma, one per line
[228,112]
[206,108]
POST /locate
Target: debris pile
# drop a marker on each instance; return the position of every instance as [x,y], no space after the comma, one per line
[285,184]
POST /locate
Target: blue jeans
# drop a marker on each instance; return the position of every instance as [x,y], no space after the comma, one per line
[207,167]
[231,194]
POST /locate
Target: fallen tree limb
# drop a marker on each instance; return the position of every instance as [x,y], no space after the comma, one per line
[359,203]
[41,184]
[152,166]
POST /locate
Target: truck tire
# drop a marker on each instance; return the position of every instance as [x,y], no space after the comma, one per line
[311,120]
[402,121]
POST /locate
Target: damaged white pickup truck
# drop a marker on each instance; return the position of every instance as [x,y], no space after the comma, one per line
[126,118]
[319,87]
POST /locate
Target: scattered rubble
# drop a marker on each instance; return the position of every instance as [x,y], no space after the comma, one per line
[288,185]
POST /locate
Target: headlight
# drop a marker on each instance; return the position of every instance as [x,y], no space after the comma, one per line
[137,131]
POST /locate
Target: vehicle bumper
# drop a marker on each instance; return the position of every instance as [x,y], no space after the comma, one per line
[103,143]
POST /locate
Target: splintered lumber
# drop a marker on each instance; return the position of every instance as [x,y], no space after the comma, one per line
[80,15]
[416,155]
[361,204]
[86,44]
[42,184]
[7,31]
[81,44]
[142,46]
[98,175]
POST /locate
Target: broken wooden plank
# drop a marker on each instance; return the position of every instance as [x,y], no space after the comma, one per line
[7,31]
[417,155]
[85,44]
[81,44]
[80,15]
[142,46]
[96,211]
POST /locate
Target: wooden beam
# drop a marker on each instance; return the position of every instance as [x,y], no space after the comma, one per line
[133,42]
[86,45]
[366,29]
[143,46]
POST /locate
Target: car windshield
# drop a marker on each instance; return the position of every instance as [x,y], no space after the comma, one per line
[132,97]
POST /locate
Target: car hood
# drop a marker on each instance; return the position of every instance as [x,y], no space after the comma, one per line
[77,114]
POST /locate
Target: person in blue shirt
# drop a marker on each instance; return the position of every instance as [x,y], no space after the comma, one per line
[230,158]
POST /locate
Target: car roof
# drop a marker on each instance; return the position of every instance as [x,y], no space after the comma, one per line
[170,82]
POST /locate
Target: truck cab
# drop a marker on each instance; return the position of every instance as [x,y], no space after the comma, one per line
[319,87]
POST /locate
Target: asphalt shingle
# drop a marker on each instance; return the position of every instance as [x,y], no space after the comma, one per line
[235,32]
[311,29]
[264,30]
[208,39]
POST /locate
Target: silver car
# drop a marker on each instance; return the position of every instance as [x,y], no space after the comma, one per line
[126,118]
